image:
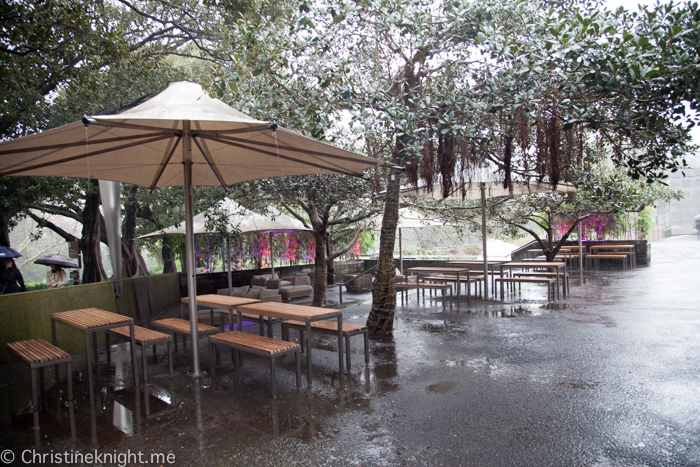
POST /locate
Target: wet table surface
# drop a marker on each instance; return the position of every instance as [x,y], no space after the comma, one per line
[222,301]
[90,321]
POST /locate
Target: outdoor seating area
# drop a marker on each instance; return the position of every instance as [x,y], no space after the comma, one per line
[441,215]
[507,278]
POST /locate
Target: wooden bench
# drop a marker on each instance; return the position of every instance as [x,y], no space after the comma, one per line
[257,345]
[405,286]
[564,277]
[520,280]
[462,279]
[177,326]
[37,353]
[329,327]
[600,256]
[142,336]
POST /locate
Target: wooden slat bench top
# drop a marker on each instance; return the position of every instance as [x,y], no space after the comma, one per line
[183,326]
[533,280]
[89,318]
[36,351]
[141,335]
[540,274]
[454,278]
[422,285]
[602,255]
[328,326]
[251,341]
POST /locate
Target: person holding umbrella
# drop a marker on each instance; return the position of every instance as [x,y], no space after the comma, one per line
[56,277]
[11,279]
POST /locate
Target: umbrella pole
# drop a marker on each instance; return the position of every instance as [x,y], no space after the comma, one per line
[189,234]
[400,252]
[272,258]
[580,250]
[483,235]
[228,264]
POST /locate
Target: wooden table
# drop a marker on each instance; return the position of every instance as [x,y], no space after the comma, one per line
[553,266]
[218,301]
[91,321]
[456,271]
[627,248]
[307,314]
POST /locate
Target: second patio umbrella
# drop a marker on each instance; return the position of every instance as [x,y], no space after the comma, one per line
[218,145]
[240,220]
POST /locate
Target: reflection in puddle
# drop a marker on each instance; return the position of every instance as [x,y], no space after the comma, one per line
[162,394]
[123,419]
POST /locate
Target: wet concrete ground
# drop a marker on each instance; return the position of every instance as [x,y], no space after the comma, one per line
[606,377]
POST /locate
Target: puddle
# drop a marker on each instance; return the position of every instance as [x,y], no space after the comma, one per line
[580,384]
[443,387]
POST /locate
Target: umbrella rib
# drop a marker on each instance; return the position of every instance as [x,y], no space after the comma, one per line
[267,126]
[112,123]
[164,164]
[293,149]
[211,163]
[80,143]
[82,156]
[268,153]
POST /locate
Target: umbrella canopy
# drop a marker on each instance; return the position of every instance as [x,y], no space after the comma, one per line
[138,146]
[60,260]
[408,219]
[7,252]
[216,145]
[494,189]
[239,219]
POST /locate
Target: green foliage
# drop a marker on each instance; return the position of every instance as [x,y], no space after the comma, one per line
[644,221]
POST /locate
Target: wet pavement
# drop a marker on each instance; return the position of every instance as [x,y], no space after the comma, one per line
[608,376]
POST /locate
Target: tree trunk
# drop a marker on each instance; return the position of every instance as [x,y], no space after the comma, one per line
[5,227]
[169,265]
[93,271]
[330,261]
[381,316]
[133,264]
[320,267]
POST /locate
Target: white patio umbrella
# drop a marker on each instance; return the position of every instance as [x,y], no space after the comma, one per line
[218,145]
[240,220]
[408,219]
[491,189]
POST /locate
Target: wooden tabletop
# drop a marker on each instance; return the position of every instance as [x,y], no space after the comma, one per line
[182,326]
[432,269]
[598,247]
[474,263]
[89,318]
[287,310]
[531,264]
[222,300]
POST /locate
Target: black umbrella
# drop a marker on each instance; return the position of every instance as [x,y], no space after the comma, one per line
[7,252]
[60,260]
